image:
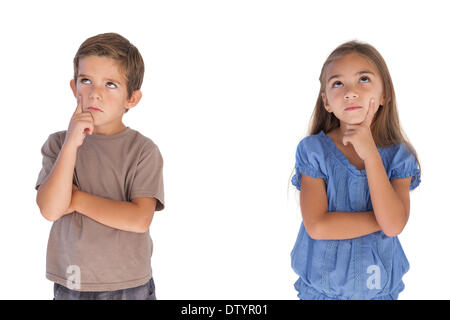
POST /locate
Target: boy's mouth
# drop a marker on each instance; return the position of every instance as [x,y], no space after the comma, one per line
[92,108]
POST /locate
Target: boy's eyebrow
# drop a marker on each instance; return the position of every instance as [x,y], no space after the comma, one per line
[359,72]
[85,75]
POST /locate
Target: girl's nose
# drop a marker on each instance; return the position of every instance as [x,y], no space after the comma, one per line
[351,94]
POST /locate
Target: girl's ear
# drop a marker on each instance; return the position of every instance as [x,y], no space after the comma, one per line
[325,101]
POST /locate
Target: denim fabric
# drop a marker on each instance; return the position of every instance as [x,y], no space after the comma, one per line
[345,269]
[144,292]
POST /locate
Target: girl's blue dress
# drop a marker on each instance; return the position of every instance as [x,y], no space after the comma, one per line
[368,267]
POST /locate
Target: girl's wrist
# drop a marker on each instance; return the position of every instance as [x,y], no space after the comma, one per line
[374,157]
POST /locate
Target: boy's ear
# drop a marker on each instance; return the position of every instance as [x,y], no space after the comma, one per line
[134,100]
[74,88]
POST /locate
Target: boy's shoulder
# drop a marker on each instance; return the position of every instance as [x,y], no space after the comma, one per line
[143,145]
[58,134]
[142,139]
[56,139]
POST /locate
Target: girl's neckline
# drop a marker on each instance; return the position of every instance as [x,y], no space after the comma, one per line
[342,158]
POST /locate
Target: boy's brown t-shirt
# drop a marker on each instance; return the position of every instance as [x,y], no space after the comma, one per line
[120,167]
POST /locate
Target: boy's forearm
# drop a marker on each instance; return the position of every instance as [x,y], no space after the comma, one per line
[54,195]
[346,225]
[121,215]
[387,206]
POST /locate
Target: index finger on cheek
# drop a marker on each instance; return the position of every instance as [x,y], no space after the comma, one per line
[79,108]
[371,106]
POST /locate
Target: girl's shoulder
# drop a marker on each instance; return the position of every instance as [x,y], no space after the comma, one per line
[310,159]
[400,162]
[313,150]
[315,142]
[396,154]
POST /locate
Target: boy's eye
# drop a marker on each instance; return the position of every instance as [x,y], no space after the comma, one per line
[335,84]
[109,84]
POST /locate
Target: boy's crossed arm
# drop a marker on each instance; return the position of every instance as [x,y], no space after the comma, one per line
[134,216]
[54,195]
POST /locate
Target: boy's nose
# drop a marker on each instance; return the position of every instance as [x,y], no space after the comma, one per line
[94,93]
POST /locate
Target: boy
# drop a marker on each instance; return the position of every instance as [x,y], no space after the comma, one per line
[101,181]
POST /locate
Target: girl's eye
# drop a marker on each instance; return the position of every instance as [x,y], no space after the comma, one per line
[334,85]
[365,79]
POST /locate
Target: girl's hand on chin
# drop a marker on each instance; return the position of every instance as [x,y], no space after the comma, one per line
[360,135]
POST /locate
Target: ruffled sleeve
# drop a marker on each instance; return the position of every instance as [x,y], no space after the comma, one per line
[309,160]
[404,165]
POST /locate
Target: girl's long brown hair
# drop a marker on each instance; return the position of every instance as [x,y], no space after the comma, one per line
[385,127]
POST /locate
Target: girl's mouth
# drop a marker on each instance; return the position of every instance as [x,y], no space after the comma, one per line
[352,108]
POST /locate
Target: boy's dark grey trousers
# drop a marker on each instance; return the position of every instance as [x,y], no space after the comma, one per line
[144,292]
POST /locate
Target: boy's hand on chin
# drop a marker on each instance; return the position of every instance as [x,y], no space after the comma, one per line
[80,124]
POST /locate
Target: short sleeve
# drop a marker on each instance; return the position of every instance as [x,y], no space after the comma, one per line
[404,165]
[50,151]
[148,179]
[309,160]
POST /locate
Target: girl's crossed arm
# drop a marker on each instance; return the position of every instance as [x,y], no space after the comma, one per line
[390,200]
[323,225]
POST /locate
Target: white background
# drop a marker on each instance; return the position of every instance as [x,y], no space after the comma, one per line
[228,93]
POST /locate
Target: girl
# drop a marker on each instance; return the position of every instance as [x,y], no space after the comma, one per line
[354,171]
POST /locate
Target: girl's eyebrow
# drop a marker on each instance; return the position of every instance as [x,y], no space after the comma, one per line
[112,80]
[358,73]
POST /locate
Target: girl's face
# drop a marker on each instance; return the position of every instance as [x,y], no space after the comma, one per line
[351,81]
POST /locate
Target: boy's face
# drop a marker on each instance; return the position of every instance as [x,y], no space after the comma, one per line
[103,92]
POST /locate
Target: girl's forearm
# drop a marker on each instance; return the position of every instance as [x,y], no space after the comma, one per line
[340,225]
[387,206]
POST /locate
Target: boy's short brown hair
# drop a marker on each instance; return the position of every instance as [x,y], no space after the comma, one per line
[114,46]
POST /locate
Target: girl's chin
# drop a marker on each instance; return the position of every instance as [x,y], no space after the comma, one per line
[354,118]
[349,122]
